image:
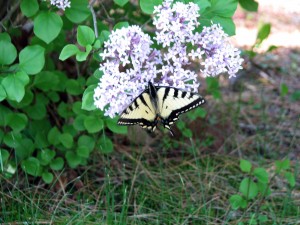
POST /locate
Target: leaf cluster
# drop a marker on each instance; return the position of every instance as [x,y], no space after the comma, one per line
[47,116]
[257,185]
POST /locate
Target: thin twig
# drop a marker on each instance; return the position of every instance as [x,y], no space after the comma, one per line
[9,13]
[94,17]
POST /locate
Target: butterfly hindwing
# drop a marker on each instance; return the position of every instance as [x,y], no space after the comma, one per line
[141,111]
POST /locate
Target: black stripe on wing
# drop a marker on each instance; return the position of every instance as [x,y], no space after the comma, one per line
[126,119]
[141,121]
[167,122]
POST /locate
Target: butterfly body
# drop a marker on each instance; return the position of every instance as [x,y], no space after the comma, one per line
[159,104]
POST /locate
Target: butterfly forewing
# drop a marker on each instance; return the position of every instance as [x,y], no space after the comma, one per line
[141,111]
[172,102]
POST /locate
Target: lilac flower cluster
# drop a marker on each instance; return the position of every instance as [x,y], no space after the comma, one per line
[219,55]
[61,4]
[130,62]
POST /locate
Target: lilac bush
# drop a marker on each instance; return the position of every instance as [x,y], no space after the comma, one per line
[130,61]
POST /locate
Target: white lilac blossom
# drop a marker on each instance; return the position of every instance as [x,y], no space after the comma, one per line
[175,24]
[129,64]
[61,4]
[219,55]
[130,61]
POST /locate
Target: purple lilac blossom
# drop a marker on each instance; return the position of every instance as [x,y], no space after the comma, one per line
[217,55]
[130,62]
[61,4]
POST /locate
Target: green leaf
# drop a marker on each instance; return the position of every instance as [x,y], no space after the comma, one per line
[1,136]
[282,165]
[290,178]
[45,80]
[224,8]
[78,11]
[14,85]
[29,7]
[85,36]
[249,5]
[147,6]
[68,128]
[263,188]
[45,156]
[87,141]
[226,23]
[4,155]
[5,37]
[261,174]
[53,96]
[248,188]
[32,59]
[47,26]
[104,36]
[220,12]
[24,148]
[83,151]
[12,139]
[187,133]
[4,113]
[76,108]
[262,218]
[213,87]
[40,140]
[68,51]
[203,4]
[106,145]
[26,100]
[2,93]
[114,127]
[284,89]
[88,98]
[93,124]
[82,56]
[52,136]
[31,166]
[121,25]
[237,201]
[198,112]
[57,164]
[8,52]
[74,87]
[64,110]
[66,139]
[121,2]
[92,80]
[263,33]
[47,177]
[17,121]
[245,166]
[295,96]
[37,111]
[73,159]
[79,122]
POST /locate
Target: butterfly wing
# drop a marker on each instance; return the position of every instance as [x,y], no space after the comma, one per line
[172,102]
[141,111]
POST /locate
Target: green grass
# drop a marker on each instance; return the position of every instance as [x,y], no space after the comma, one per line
[147,189]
